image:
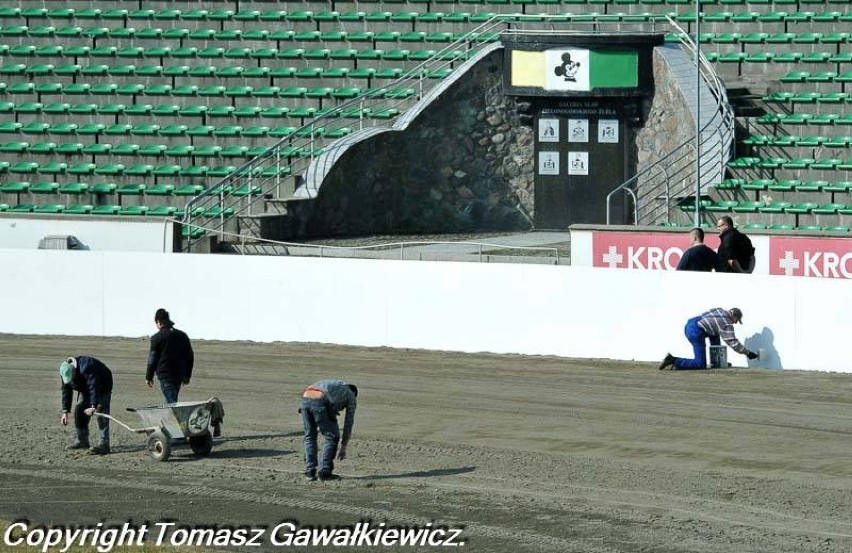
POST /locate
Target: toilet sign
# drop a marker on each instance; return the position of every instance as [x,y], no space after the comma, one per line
[548,130]
[578,163]
[548,163]
[608,131]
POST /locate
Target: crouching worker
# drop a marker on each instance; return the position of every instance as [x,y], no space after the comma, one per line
[93,381]
[321,403]
[716,324]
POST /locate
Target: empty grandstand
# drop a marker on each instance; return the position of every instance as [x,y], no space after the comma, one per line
[298,118]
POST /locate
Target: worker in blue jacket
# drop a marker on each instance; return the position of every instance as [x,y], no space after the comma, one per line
[93,381]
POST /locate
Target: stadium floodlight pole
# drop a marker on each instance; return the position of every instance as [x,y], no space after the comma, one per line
[697,113]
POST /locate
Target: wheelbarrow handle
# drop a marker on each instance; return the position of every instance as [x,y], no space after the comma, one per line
[144,430]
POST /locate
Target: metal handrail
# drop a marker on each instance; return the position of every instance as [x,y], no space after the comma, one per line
[257,186]
[722,109]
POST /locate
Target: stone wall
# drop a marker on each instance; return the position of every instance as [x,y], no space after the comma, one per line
[464,165]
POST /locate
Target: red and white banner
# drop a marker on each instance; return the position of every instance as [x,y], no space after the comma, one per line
[810,257]
[654,251]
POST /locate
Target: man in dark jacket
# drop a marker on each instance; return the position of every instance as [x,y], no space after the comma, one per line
[699,257]
[171,357]
[735,250]
[93,380]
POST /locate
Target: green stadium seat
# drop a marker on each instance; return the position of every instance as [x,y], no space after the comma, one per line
[81,168]
[13,147]
[74,188]
[188,190]
[111,169]
[131,190]
[802,208]
[106,210]
[24,167]
[826,164]
[827,209]
[747,207]
[14,187]
[78,209]
[134,210]
[41,148]
[774,207]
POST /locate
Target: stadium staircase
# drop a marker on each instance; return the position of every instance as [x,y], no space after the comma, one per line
[211,112]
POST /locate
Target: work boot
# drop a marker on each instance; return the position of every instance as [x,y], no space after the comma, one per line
[310,475]
[668,362]
[327,476]
[101,449]
[217,430]
[77,445]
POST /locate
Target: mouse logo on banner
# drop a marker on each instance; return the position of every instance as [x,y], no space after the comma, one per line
[567,69]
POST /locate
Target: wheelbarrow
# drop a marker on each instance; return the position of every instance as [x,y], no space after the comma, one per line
[163,424]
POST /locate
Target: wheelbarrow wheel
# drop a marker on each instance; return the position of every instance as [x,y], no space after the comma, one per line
[201,445]
[159,446]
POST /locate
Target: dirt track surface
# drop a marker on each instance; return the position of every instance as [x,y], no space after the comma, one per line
[526,453]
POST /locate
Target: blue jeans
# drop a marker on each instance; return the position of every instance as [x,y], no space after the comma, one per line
[319,416]
[170,389]
[81,419]
[697,337]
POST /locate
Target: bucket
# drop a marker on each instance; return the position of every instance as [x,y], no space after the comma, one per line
[719,357]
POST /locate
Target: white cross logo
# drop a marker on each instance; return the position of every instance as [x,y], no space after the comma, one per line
[788,263]
[612,257]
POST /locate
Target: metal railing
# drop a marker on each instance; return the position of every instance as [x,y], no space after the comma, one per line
[651,194]
[279,172]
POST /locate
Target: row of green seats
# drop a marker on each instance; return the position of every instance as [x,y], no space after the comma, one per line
[175,110]
[278,16]
[285,35]
[130,210]
[819,77]
[147,170]
[736,206]
[823,164]
[787,57]
[805,119]
[139,89]
[766,38]
[138,52]
[762,226]
[80,188]
[116,169]
[130,149]
[786,185]
[792,141]
[221,131]
[810,97]
[210,71]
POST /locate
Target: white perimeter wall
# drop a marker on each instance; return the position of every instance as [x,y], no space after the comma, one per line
[104,234]
[529,309]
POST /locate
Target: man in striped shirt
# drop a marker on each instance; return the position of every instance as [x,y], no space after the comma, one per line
[716,324]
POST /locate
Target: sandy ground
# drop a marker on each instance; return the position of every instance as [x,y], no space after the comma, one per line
[525,453]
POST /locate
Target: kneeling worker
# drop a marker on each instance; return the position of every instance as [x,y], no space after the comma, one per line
[714,324]
[93,380]
[321,403]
